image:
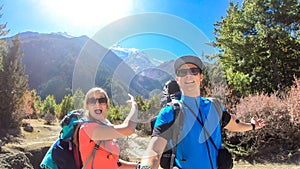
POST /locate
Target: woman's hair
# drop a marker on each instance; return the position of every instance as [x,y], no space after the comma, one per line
[92,92]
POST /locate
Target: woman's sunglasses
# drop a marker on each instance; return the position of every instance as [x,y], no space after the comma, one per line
[191,71]
[93,100]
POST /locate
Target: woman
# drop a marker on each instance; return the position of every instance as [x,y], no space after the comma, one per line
[100,131]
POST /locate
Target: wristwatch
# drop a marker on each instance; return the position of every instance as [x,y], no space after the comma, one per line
[253,126]
[146,167]
[138,165]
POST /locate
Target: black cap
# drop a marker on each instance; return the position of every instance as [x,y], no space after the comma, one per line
[188,59]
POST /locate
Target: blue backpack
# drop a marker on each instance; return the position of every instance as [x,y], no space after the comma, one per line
[64,152]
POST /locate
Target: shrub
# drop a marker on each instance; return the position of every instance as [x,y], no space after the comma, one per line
[116,114]
[292,101]
[49,118]
[278,141]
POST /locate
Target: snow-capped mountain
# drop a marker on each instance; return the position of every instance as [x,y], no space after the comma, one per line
[123,53]
[135,58]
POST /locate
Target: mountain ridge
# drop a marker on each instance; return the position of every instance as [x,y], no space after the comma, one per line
[50,61]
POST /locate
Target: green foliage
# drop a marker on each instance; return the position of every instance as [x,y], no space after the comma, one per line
[38,104]
[116,114]
[3,32]
[240,81]
[260,45]
[48,106]
[154,105]
[148,108]
[143,106]
[214,76]
[13,84]
[56,86]
[66,106]
[78,99]
[57,110]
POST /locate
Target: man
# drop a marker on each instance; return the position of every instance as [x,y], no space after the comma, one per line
[195,149]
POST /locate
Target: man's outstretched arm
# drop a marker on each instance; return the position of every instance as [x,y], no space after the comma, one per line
[153,153]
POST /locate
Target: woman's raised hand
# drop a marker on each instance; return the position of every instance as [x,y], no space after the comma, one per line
[131,100]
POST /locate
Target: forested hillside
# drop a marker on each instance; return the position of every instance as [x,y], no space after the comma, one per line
[50,60]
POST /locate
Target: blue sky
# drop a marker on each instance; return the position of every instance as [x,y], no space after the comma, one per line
[87,17]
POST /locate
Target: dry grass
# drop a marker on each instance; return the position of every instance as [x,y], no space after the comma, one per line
[42,135]
[264,166]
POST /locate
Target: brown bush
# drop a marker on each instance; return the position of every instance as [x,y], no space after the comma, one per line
[292,101]
[278,141]
[49,118]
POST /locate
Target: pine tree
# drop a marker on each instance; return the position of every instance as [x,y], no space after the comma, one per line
[66,106]
[260,44]
[48,106]
[13,84]
[3,32]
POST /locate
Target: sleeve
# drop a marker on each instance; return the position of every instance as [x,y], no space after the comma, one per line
[88,128]
[163,123]
[225,117]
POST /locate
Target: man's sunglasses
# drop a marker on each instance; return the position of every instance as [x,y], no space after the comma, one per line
[99,100]
[191,71]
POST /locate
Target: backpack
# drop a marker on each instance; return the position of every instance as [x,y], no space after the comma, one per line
[171,91]
[64,152]
[171,95]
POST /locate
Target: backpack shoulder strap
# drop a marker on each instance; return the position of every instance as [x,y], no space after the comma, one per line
[217,105]
[75,140]
[178,124]
[78,123]
[76,134]
[224,115]
[97,145]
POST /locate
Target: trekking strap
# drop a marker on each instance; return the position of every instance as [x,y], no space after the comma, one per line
[97,145]
[217,105]
[175,135]
[75,140]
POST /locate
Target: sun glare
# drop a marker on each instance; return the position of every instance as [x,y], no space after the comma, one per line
[87,13]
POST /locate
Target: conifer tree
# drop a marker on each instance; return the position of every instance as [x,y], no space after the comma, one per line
[3,32]
[260,44]
[48,106]
[13,84]
[66,106]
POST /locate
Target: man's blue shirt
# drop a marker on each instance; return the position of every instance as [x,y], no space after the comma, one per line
[194,147]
